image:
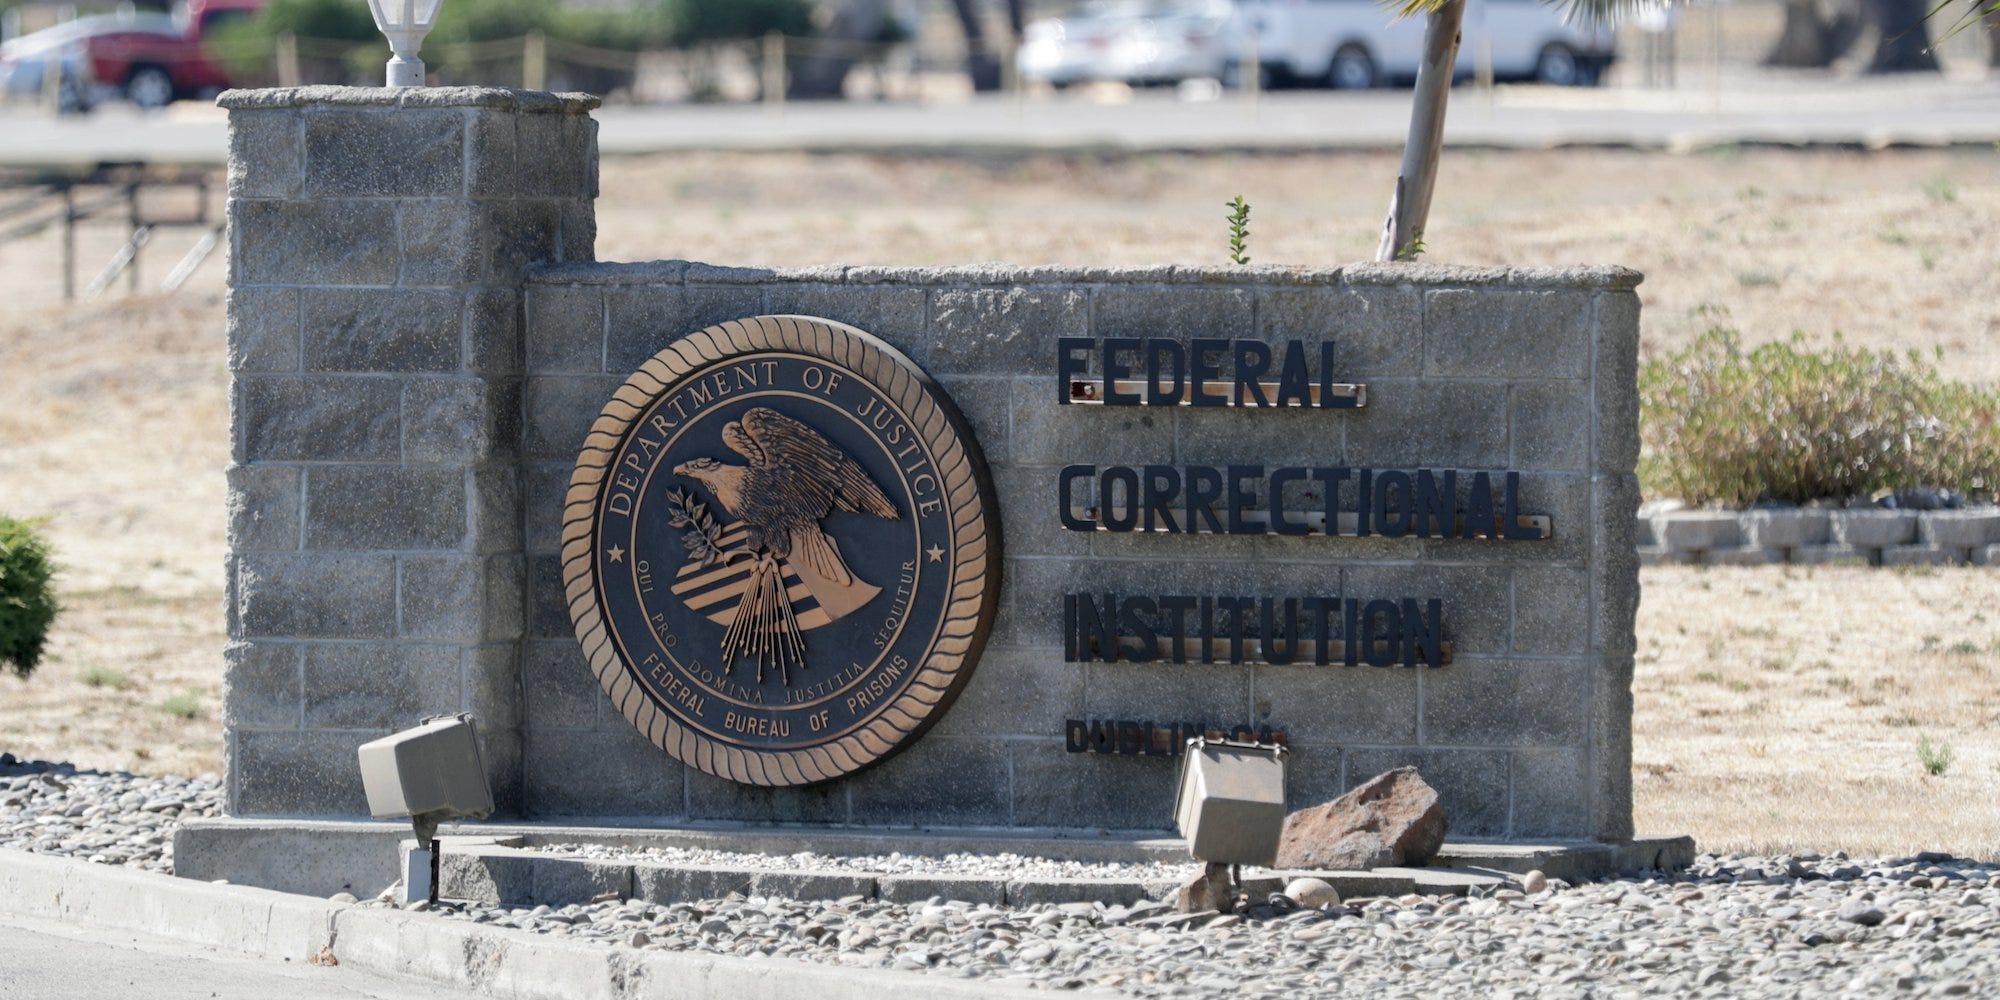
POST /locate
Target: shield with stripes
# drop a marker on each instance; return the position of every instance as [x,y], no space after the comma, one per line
[714,590]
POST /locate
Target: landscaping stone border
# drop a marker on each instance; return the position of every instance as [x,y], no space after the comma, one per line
[1858,536]
[322,857]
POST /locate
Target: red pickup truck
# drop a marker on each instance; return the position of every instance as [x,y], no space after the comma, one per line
[158,62]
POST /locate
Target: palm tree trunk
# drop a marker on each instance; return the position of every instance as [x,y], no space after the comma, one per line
[1410,205]
[1903,37]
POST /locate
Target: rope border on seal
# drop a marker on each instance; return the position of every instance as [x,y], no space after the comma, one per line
[973,587]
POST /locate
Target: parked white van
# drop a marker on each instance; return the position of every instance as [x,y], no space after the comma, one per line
[1358,43]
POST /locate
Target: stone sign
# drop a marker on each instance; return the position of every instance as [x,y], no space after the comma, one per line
[1383,513]
[780,550]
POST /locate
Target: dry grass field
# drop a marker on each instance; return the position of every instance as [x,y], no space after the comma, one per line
[1776,708]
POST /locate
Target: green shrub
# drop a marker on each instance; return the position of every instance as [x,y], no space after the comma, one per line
[339,36]
[184,706]
[27,598]
[337,40]
[697,21]
[100,676]
[1936,757]
[1784,422]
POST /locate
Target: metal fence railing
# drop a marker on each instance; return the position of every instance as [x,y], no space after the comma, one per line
[120,195]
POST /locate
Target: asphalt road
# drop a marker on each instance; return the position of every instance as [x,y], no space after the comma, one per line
[1728,108]
[55,962]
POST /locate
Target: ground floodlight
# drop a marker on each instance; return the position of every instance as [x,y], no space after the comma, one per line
[405,23]
[1232,801]
[432,773]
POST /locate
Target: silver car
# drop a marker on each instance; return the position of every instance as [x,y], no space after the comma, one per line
[1356,44]
[1079,49]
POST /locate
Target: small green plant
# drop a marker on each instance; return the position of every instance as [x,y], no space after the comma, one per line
[1941,189]
[101,676]
[27,595]
[1936,757]
[1239,230]
[1725,423]
[186,705]
[1415,248]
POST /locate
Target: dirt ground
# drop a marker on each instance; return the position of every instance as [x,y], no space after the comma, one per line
[1794,720]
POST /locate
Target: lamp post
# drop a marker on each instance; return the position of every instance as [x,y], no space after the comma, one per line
[405,23]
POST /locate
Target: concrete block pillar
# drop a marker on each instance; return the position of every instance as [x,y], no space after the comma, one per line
[378,244]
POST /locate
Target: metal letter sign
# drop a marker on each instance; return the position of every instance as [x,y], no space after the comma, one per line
[781,550]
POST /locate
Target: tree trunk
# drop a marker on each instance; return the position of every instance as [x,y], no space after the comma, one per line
[1017,18]
[1812,40]
[1993,38]
[1410,205]
[1802,42]
[1903,37]
[979,62]
[823,74]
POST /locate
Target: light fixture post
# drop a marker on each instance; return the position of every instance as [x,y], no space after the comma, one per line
[433,774]
[405,23]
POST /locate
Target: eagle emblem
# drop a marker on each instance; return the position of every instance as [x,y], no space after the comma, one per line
[794,479]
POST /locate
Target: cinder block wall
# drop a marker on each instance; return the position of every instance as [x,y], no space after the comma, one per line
[411,388]
[1526,734]
[378,242]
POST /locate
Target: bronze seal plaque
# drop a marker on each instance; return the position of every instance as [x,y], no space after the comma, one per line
[781,550]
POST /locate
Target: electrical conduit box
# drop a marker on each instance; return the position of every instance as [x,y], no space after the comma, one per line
[1232,801]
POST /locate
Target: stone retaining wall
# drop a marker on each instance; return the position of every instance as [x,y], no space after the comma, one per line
[1869,536]
[1471,369]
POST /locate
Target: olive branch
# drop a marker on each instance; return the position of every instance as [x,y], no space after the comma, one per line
[700,533]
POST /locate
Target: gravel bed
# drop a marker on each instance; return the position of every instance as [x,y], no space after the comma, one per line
[110,818]
[1793,926]
[976,865]
[1734,926]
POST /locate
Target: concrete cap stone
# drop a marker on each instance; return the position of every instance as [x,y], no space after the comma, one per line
[1578,276]
[1364,274]
[508,98]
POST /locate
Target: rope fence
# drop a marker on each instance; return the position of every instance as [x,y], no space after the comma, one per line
[537,61]
[116,195]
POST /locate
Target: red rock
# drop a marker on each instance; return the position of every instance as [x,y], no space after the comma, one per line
[1390,820]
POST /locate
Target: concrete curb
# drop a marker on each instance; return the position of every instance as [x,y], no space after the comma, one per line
[502,963]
